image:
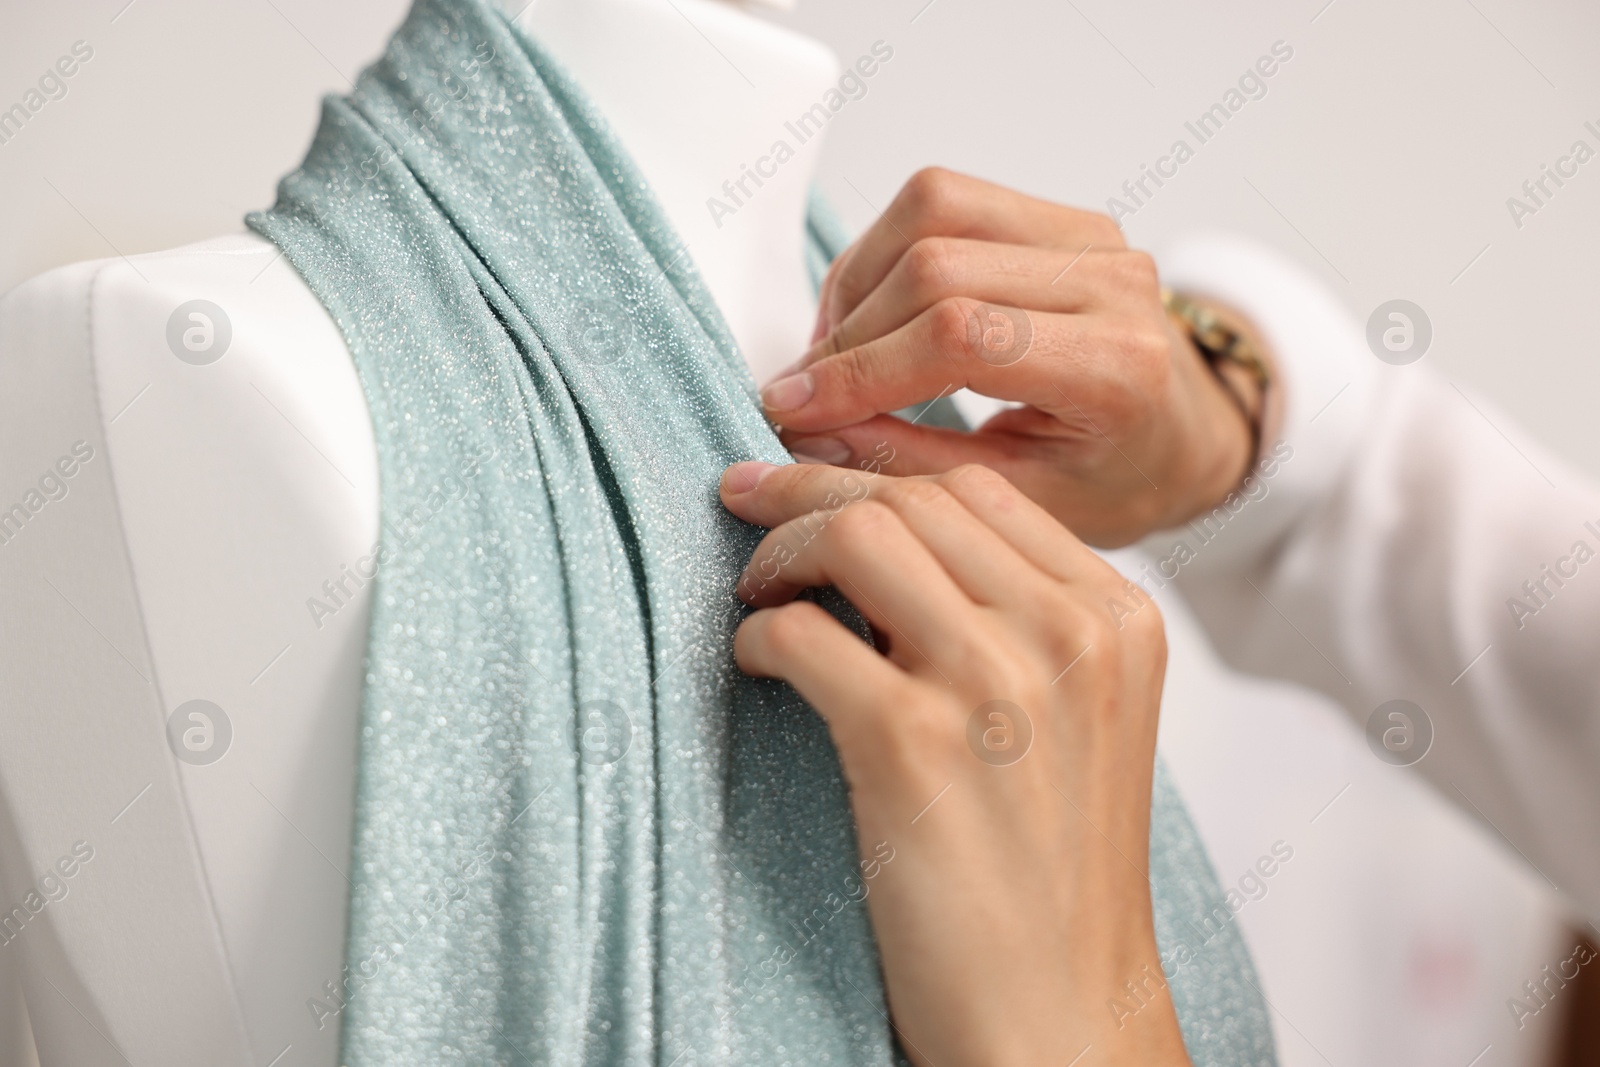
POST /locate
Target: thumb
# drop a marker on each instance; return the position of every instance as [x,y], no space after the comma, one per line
[886,444]
[1040,467]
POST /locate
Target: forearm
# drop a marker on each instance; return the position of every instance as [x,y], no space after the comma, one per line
[1388,560]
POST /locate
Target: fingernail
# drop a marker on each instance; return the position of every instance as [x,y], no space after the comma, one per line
[743,477]
[789,393]
[829,450]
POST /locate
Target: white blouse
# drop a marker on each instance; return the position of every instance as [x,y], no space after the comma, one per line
[1415,546]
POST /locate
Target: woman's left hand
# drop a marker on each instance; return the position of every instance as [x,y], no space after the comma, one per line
[1122,430]
[1002,744]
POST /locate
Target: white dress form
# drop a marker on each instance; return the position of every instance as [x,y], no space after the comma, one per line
[234,489]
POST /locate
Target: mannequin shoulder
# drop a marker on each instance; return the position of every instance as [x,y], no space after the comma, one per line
[242,276]
[220,342]
[238,263]
[191,303]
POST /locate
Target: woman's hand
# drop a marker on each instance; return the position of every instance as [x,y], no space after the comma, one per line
[1002,743]
[966,284]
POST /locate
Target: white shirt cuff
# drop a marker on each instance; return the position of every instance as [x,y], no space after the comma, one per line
[1327,378]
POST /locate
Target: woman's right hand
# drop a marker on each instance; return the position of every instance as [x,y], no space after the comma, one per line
[1002,744]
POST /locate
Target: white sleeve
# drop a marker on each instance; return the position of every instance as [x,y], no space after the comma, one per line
[1407,542]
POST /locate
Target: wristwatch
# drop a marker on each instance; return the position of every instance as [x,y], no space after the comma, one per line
[1224,347]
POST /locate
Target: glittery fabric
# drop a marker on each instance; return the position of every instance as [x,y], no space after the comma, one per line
[582,836]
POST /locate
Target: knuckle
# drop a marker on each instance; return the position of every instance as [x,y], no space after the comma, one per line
[1113,639]
[1145,340]
[1143,352]
[1152,357]
[809,480]
[1104,231]
[931,194]
[788,483]
[931,265]
[1148,628]
[1064,646]
[1129,622]
[949,327]
[977,478]
[850,374]
[1097,627]
[917,493]
[850,287]
[1145,653]
[835,341]
[1137,270]
[868,522]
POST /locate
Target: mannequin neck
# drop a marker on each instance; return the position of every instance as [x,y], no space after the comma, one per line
[699,124]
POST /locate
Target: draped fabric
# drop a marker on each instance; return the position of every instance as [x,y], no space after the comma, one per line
[582,836]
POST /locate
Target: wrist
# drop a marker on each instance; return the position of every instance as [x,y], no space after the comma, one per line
[1209,441]
[1226,375]
[1135,1022]
[1121,997]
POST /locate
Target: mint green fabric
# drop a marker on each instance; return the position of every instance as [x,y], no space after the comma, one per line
[582,836]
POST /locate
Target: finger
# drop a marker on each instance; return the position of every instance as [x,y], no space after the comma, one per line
[1002,352]
[820,329]
[769,495]
[1026,527]
[838,674]
[871,556]
[807,497]
[894,446]
[1029,463]
[942,203]
[1016,275]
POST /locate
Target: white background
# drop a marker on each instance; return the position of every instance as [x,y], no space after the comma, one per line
[1381,157]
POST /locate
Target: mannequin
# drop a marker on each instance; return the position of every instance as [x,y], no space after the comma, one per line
[245,479]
